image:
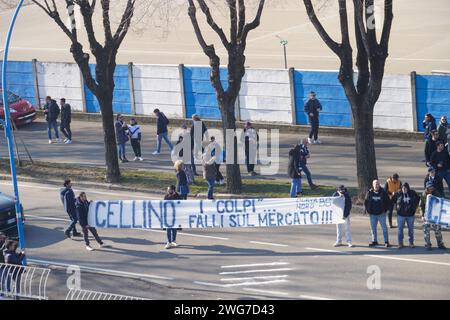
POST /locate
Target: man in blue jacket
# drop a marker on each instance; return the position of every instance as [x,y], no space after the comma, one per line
[312,109]
[161,131]
[342,192]
[68,200]
[51,111]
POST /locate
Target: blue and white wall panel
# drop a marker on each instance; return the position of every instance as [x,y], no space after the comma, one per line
[20,79]
[157,86]
[265,96]
[60,80]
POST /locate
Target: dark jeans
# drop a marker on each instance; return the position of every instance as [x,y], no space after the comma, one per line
[445,175]
[94,233]
[305,169]
[390,211]
[136,144]
[65,129]
[52,125]
[171,235]
[249,162]
[74,219]
[210,188]
[219,175]
[314,122]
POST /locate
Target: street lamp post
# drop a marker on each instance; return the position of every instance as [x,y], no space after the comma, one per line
[8,132]
[284,44]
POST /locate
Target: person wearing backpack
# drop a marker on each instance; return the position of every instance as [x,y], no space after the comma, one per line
[134,130]
[51,111]
[161,131]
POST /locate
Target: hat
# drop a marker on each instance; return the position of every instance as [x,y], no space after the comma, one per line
[312,92]
[431,169]
[439,142]
[429,185]
[395,176]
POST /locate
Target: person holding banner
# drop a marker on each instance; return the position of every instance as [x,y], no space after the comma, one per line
[342,192]
[294,171]
[427,227]
[182,180]
[376,204]
[172,232]
[407,203]
[82,213]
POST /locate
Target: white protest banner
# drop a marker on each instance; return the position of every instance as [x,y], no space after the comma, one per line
[437,211]
[232,213]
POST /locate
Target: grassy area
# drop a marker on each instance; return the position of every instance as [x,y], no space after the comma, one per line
[151,181]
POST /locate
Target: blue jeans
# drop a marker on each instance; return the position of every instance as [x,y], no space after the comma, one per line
[401,224]
[305,169]
[166,139]
[445,175]
[74,219]
[121,149]
[374,219]
[211,184]
[296,187]
[52,125]
[171,235]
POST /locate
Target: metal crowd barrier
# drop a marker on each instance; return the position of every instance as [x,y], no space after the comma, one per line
[18,281]
[80,294]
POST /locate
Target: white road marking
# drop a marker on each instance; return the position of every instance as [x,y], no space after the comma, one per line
[250,278]
[46,218]
[408,260]
[269,244]
[256,271]
[314,297]
[105,271]
[247,283]
[272,293]
[255,265]
[328,250]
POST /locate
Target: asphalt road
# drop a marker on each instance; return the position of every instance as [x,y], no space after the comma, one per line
[331,163]
[280,263]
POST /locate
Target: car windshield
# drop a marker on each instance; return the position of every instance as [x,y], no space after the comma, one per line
[12,98]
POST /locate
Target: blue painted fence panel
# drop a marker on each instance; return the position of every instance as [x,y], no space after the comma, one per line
[20,79]
[121,97]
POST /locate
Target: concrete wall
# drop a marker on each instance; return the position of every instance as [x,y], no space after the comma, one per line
[60,80]
[20,79]
[157,86]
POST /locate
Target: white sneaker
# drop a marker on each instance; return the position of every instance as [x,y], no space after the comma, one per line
[350,245]
[89,248]
[68,141]
[310,141]
[174,244]
[337,244]
[65,140]
[135,159]
[318,142]
[50,141]
[156,152]
[104,245]
[141,159]
[168,245]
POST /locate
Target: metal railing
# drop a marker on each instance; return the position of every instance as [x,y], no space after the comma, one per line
[80,294]
[23,281]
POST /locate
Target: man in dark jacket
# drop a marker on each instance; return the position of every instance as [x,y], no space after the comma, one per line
[407,203]
[342,192]
[294,171]
[161,131]
[82,208]
[197,138]
[434,179]
[431,146]
[304,156]
[429,124]
[440,159]
[121,129]
[376,205]
[66,119]
[427,227]
[68,200]
[312,109]
[51,111]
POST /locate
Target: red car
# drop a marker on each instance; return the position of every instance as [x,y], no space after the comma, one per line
[22,111]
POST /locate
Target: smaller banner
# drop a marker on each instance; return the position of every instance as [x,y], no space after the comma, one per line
[437,211]
[201,214]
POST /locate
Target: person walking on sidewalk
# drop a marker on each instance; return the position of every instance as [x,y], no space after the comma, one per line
[304,156]
[172,232]
[392,186]
[427,226]
[376,204]
[161,131]
[66,119]
[121,137]
[294,171]
[51,111]
[68,200]
[82,206]
[312,109]
[407,203]
[134,130]
[342,192]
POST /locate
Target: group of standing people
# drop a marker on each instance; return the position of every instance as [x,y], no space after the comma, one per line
[52,112]
[297,164]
